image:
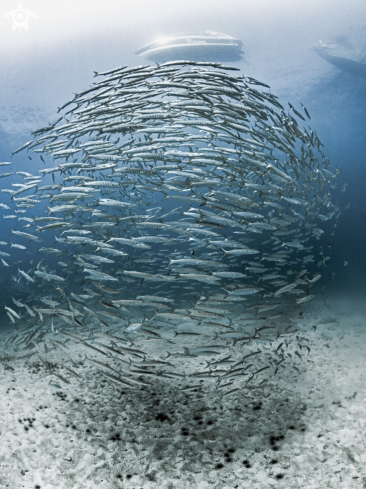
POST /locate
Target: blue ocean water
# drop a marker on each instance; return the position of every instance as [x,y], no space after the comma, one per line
[44,66]
[41,71]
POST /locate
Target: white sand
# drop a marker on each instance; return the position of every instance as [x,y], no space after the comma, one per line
[327,399]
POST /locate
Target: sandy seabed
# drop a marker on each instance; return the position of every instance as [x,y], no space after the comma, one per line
[300,430]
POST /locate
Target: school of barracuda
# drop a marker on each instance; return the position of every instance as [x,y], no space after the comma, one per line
[164,178]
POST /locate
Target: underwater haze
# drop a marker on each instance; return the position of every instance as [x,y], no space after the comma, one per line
[182,239]
[44,66]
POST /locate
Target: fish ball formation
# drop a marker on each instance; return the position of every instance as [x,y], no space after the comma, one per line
[183,206]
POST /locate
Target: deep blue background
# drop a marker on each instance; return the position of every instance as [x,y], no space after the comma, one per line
[40,73]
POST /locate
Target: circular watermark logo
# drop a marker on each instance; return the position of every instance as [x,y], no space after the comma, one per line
[20,18]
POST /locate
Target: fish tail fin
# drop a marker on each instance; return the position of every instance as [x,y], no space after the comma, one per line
[205,200]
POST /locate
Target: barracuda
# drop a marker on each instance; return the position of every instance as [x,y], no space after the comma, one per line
[149,139]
